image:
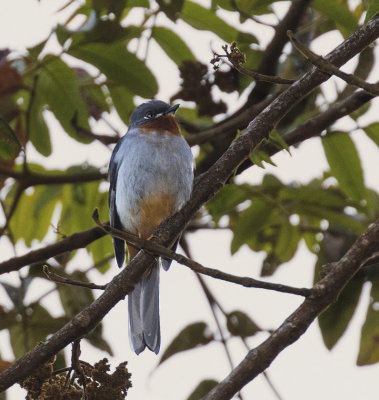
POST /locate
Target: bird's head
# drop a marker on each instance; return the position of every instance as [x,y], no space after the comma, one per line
[155,114]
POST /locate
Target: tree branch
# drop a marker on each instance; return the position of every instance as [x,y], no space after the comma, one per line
[156,249]
[325,292]
[70,243]
[207,185]
[325,66]
[27,178]
[66,281]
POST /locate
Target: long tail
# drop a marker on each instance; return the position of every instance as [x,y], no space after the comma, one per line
[143,304]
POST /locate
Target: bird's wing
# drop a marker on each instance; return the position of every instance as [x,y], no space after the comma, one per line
[118,244]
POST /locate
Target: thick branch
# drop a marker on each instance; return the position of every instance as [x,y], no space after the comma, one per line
[324,293]
[207,185]
[73,242]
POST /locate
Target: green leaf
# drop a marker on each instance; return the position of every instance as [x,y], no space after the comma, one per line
[36,208]
[334,321]
[345,164]
[9,143]
[249,222]
[79,202]
[8,318]
[122,100]
[191,336]
[205,19]
[287,242]
[334,217]
[373,8]
[39,133]
[369,349]
[15,293]
[172,45]
[75,299]
[254,7]
[337,11]
[278,141]
[372,131]
[59,88]
[203,388]
[35,51]
[240,324]
[226,200]
[258,156]
[37,324]
[118,64]
[171,8]
[311,194]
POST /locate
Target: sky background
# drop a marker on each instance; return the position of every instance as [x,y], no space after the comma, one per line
[304,370]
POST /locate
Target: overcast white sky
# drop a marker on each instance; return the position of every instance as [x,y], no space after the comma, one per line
[306,369]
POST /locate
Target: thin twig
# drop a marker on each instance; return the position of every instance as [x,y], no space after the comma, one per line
[325,66]
[61,279]
[212,301]
[156,249]
[236,58]
[8,216]
[28,178]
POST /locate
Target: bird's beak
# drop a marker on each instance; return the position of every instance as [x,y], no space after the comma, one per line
[172,110]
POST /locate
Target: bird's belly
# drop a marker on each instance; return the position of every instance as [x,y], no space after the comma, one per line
[154,185]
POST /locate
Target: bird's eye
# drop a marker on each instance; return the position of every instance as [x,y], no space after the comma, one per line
[148,115]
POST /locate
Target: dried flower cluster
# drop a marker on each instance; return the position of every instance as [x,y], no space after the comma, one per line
[94,383]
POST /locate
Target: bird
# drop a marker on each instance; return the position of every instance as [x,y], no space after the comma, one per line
[151,178]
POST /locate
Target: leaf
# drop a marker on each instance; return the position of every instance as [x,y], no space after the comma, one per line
[336,218]
[172,45]
[75,299]
[334,321]
[35,51]
[255,7]
[345,164]
[258,156]
[36,208]
[193,335]
[249,222]
[369,349]
[287,242]
[59,89]
[205,19]
[240,324]
[15,294]
[278,141]
[39,133]
[372,131]
[8,318]
[78,202]
[338,12]
[226,200]
[36,326]
[311,194]
[373,8]
[122,100]
[118,64]
[203,388]
[9,143]
[171,8]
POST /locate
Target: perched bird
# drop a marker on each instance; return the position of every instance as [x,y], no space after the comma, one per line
[151,177]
